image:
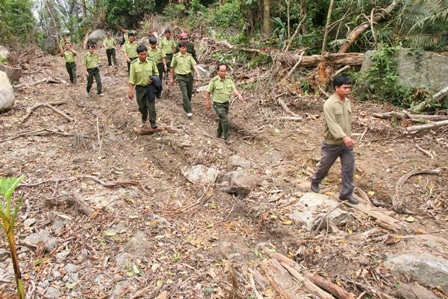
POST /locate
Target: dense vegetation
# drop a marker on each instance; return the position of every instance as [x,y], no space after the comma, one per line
[314,25]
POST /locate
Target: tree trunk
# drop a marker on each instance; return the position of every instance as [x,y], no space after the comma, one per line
[266,17]
[330,11]
[352,36]
[334,59]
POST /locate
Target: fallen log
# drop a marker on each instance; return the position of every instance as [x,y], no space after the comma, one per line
[433,125]
[49,105]
[434,99]
[294,269]
[330,287]
[334,59]
[280,279]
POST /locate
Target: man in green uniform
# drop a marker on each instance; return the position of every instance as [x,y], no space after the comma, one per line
[220,88]
[62,43]
[70,63]
[168,46]
[130,49]
[91,70]
[140,76]
[110,44]
[182,64]
[158,55]
[183,37]
[337,139]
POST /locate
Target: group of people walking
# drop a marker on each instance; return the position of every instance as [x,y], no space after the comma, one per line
[147,68]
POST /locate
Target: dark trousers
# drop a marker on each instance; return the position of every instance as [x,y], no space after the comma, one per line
[186,87]
[111,56]
[222,110]
[329,154]
[94,73]
[71,70]
[161,69]
[144,105]
[129,63]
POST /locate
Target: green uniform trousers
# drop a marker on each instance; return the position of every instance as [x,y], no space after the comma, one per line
[186,87]
[94,73]
[110,53]
[144,106]
[161,69]
[71,70]
[222,109]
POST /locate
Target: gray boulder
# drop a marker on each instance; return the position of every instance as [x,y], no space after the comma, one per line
[96,36]
[7,96]
[423,267]
[200,174]
[4,53]
[417,68]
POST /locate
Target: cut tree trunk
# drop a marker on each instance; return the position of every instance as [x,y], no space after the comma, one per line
[335,59]
[433,125]
[353,36]
[434,99]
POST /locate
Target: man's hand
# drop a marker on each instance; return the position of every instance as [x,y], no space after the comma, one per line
[348,142]
[131,95]
[208,105]
[171,81]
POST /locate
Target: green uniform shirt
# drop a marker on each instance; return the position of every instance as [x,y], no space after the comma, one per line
[182,64]
[91,61]
[338,118]
[167,45]
[68,56]
[190,50]
[130,49]
[62,43]
[221,89]
[140,72]
[157,54]
[110,43]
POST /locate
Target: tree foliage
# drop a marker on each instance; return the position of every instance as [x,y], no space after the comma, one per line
[17,22]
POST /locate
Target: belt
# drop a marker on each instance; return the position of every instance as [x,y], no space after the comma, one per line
[133,58]
[91,69]
[183,74]
[140,85]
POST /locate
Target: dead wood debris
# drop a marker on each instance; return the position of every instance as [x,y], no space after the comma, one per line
[94,178]
[397,201]
[49,105]
[40,132]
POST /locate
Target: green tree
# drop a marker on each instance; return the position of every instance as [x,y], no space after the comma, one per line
[17,22]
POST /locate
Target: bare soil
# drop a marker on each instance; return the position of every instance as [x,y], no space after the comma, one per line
[110,195]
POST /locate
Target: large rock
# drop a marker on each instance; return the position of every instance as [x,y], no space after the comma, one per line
[422,267]
[417,68]
[96,36]
[200,174]
[306,210]
[4,53]
[7,96]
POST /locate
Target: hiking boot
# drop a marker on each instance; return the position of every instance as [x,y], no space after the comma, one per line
[315,187]
[189,115]
[101,94]
[350,199]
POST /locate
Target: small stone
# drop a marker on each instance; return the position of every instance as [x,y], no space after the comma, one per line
[52,293]
[29,222]
[70,268]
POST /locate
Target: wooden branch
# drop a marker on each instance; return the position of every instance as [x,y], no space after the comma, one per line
[433,125]
[36,133]
[355,33]
[31,109]
[425,151]
[330,287]
[340,71]
[286,109]
[296,65]
[295,33]
[279,279]
[79,177]
[397,202]
[59,112]
[294,269]
[334,59]
[434,99]
[46,80]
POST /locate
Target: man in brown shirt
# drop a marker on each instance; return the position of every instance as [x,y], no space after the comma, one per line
[337,139]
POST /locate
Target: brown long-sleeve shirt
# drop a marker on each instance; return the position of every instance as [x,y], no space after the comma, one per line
[338,118]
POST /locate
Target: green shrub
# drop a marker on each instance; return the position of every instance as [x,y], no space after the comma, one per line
[229,15]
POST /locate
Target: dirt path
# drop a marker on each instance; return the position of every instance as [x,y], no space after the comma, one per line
[154,231]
